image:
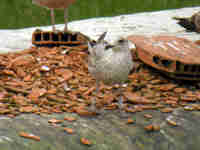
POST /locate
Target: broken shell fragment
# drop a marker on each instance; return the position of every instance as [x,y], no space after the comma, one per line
[69,130]
[85,141]
[55,121]
[70,119]
[130,121]
[152,127]
[148,116]
[29,136]
[66,87]
[171,122]
[189,108]
[166,110]
[45,68]
[149,128]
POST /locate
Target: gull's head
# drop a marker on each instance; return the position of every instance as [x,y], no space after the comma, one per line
[100,45]
[121,45]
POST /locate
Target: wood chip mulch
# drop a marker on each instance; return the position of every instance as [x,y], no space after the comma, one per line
[56,80]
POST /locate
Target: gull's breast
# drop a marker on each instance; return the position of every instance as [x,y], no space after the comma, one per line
[112,68]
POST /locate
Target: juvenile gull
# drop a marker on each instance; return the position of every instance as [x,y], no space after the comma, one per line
[111,65]
[54,4]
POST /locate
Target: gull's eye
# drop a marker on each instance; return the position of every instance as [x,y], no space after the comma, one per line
[109,46]
[121,41]
[93,43]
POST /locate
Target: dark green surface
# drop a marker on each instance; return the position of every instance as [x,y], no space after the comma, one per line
[108,132]
[21,13]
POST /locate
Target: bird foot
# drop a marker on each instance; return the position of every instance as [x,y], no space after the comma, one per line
[65,30]
[56,31]
[96,110]
[123,114]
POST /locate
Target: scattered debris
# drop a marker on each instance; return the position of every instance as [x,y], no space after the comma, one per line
[189,108]
[70,119]
[148,116]
[68,87]
[171,122]
[45,68]
[55,121]
[86,141]
[152,127]
[167,110]
[29,136]
[130,121]
[69,130]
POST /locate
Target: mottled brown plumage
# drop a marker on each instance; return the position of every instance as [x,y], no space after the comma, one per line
[110,65]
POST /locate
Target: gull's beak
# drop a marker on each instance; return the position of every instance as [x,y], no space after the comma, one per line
[101,38]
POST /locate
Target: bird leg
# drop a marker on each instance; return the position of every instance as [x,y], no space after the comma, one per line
[53,19]
[120,102]
[93,104]
[66,19]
